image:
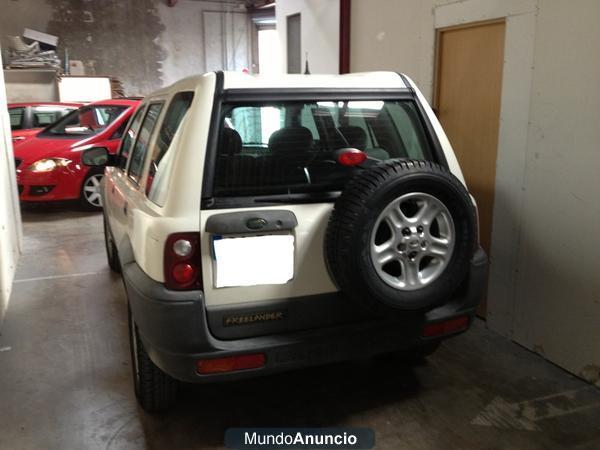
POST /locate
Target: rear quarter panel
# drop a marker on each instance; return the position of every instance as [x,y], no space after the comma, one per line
[151,224]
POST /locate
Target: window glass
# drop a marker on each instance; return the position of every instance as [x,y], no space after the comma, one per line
[255,125]
[45,115]
[403,116]
[16,118]
[162,156]
[307,120]
[118,134]
[86,121]
[142,141]
[129,138]
[290,147]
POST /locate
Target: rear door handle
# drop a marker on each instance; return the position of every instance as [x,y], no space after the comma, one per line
[125,208]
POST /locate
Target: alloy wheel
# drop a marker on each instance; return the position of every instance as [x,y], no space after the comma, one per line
[412,241]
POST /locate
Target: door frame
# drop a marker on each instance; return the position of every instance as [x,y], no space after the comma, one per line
[482,308]
[517,76]
[287,41]
[437,55]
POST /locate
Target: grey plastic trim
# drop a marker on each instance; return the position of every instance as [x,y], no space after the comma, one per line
[284,315]
[251,222]
[174,328]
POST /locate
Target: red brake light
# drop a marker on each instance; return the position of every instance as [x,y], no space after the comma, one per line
[446,327]
[182,269]
[351,157]
[230,363]
[183,273]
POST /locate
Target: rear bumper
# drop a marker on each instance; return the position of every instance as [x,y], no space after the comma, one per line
[175,331]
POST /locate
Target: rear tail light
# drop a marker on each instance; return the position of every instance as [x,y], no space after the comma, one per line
[182,262]
[230,363]
[183,273]
[445,327]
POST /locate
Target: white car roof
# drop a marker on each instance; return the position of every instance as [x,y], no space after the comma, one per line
[240,80]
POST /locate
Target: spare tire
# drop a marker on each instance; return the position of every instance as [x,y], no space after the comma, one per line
[401,236]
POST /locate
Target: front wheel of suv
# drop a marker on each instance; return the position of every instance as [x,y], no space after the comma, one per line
[155,390]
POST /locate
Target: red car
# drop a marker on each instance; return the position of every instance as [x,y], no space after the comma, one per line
[27,119]
[49,164]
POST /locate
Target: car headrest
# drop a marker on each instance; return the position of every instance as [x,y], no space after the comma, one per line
[355,136]
[231,142]
[86,119]
[291,140]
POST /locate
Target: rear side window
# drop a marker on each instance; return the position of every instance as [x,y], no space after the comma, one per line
[47,115]
[162,155]
[129,138]
[290,147]
[16,118]
[141,144]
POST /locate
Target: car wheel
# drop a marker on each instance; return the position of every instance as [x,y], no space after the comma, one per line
[401,236]
[112,254]
[419,352]
[91,194]
[412,355]
[155,390]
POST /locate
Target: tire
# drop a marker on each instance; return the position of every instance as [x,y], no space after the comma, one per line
[425,253]
[412,355]
[423,351]
[420,352]
[90,197]
[112,255]
[155,390]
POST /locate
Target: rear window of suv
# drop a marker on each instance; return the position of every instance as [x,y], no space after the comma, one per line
[289,147]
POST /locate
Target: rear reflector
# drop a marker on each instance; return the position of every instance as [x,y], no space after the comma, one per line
[230,363]
[446,327]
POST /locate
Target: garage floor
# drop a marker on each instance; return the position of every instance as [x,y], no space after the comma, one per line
[65,375]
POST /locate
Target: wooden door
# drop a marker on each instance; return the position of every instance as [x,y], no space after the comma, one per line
[467,98]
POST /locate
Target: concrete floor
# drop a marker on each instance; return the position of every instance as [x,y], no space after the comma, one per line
[65,375]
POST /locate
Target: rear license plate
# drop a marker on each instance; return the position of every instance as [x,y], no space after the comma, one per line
[252,261]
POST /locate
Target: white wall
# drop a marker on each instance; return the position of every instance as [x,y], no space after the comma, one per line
[201,36]
[10,214]
[557,295]
[320,32]
[393,35]
[158,44]
[544,289]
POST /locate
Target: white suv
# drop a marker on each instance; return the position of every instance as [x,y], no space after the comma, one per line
[266,224]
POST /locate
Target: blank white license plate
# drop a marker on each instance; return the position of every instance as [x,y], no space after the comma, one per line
[251,261]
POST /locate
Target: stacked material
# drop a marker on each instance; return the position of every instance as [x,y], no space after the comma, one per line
[30,56]
[116,88]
